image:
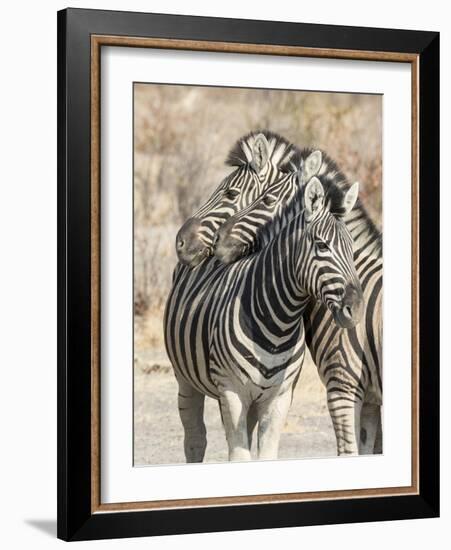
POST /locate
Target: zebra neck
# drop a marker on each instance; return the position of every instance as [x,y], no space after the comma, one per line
[367,238]
[271,299]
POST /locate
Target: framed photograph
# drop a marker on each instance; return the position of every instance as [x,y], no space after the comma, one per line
[248,274]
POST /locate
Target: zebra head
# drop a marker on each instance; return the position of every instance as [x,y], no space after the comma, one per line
[259,159]
[326,257]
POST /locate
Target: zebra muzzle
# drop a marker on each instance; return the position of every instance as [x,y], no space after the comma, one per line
[188,244]
[227,248]
[349,313]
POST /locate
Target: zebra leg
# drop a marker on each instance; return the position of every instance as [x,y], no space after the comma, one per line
[191,410]
[345,411]
[378,443]
[369,422]
[252,418]
[234,415]
[270,425]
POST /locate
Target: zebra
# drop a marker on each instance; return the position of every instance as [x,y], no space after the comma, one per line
[349,360]
[259,159]
[235,332]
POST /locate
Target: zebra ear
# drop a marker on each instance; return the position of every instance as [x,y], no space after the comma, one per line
[260,153]
[312,164]
[313,198]
[351,197]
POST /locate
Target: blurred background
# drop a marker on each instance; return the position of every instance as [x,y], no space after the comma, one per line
[182,135]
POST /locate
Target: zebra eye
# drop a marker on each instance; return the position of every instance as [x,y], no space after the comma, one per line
[269,201]
[321,246]
[231,194]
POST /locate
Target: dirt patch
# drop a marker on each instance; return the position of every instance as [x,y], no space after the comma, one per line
[158,431]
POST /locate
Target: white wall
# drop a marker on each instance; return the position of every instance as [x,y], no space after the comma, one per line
[28,269]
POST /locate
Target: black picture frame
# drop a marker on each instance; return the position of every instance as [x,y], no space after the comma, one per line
[76,520]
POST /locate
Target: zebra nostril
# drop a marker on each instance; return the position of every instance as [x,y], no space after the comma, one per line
[347,312]
[180,244]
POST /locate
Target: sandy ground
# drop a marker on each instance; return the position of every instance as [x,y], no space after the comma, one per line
[158,431]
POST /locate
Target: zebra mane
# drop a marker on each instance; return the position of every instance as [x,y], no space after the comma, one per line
[281,151]
[335,186]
